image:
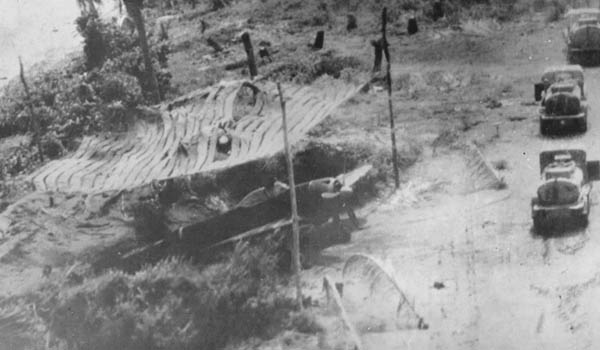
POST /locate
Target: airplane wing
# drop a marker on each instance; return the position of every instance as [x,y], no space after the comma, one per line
[255,232]
[350,178]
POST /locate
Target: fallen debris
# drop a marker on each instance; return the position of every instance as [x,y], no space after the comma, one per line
[483,173]
[333,295]
[215,45]
[492,103]
[517,118]
[529,103]
[381,286]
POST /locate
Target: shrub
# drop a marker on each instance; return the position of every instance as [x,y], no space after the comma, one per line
[174,305]
[305,321]
[94,46]
[312,66]
[112,51]
[120,87]
[149,221]
[87,95]
[68,105]
[556,9]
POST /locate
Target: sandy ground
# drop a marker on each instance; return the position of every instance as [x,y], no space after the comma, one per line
[504,287]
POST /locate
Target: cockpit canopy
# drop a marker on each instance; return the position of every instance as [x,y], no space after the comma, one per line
[587,21]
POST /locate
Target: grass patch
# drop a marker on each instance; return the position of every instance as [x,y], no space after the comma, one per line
[171,305]
[305,321]
[312,66]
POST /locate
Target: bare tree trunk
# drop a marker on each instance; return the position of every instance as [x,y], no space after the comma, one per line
[134,8]
[388,75]
[34,121]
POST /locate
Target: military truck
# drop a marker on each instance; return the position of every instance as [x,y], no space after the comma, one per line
[564,191]
[561,92]
[582,36]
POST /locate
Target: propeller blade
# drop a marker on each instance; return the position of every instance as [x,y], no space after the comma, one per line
[346,189]
[350,178]
[330,195]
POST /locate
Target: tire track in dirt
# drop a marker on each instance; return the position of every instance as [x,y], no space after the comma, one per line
[472,341]
[575,249]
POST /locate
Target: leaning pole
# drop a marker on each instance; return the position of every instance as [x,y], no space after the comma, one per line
[295,228]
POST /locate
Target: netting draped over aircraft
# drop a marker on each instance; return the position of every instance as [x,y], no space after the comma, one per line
[184,141]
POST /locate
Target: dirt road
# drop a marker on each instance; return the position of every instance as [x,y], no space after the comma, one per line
[503,286]
[500,286]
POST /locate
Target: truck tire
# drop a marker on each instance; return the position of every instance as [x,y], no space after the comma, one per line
[285,260]
[539,225]
[570,57]
[544,126]
[583,124]
[584,220]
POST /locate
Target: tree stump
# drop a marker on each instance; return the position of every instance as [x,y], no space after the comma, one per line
[250,53]
[438,10]
[412,27]
[377,45]
[319,40]
[351,23]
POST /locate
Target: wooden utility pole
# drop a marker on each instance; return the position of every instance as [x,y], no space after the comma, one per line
[33,119]
[292,184]
[388,79]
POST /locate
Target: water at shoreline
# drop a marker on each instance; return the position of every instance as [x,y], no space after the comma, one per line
[36,30]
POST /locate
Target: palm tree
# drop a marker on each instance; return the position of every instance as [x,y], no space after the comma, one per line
[89,6]
[134,9]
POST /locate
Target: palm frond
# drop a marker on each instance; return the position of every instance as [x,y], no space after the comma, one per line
[382,286]
[15,321]
[88,6]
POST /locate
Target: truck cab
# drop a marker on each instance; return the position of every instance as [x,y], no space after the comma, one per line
[565,186]
[562,97]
